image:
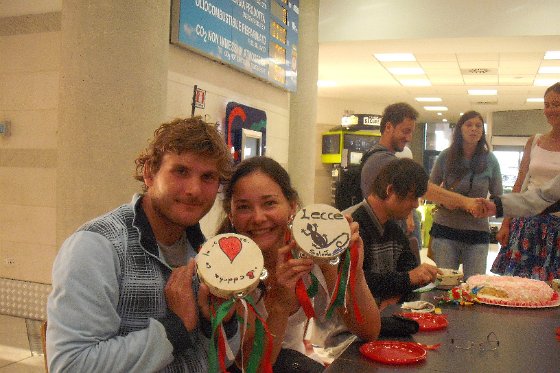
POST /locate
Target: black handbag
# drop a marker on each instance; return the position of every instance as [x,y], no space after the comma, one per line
[292,361]
[398,326]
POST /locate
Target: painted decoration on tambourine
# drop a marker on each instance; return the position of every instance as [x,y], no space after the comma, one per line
[230,264]
[321,231]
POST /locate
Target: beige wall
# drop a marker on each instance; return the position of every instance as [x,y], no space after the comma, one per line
[519,123]
[29,76]
[30,53]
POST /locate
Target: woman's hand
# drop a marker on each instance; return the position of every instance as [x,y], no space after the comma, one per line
[503,234]
[282,289]
[356,238]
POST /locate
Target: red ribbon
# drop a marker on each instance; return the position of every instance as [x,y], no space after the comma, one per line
[354,254]
[301,291]
[301,294]
[222,350]
[265,365]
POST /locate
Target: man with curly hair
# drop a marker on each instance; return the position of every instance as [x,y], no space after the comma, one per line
[124,298]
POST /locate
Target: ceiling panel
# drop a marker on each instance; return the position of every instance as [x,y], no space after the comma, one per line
[513,61]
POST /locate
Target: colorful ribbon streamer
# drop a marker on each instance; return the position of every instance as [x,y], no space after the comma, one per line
[353,270]
[339,293]
[346,279]
[262,341]
[260,355]
[216,354]
[304,295]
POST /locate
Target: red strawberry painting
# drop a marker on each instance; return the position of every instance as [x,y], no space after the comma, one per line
[231,246]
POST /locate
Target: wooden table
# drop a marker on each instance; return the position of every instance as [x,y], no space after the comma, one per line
[527,342]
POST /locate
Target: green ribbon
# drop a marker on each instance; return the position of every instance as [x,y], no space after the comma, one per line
[259,341]
[216,321]
[342,283]
[313,289]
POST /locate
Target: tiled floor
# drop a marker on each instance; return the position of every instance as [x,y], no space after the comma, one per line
[16,355]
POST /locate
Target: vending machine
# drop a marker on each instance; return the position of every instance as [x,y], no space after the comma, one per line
[343,147]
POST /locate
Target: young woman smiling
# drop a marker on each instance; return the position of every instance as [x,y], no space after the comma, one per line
[260,203]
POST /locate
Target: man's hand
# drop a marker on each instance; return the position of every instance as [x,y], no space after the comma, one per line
[476,207]
[423,274]
[180,296]
[488,208]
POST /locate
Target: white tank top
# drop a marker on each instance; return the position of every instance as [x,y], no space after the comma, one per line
[544,165]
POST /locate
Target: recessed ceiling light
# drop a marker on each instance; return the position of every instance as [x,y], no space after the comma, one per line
[445,120]
[549,70]
[406,70]
[415,82]
[535,99]
[439,114]
[544,82]
[428,99]
[394,57]
[552,55]
[483,92]
[326,83]
[435,108]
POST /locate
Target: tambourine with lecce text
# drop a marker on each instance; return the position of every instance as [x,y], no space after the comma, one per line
[321,232]
[231,265]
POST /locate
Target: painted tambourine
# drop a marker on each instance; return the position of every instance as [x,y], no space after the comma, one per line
[321,232]
[231,265]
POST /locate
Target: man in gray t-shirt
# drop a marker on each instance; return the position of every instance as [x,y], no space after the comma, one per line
[397,126]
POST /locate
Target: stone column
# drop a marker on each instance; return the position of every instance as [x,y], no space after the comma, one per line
[303,104]
[113,89]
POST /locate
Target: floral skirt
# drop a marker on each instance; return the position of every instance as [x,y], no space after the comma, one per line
[533,250]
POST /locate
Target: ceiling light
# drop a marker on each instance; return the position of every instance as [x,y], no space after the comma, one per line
[544,82]
[483,92]
[406,70]
[549,70]
[535,99]
[461,114]
[394,57]
[435,108]
[439,114]
[445,120]
[552,55]
[326,83]
[415,82]
[428,99]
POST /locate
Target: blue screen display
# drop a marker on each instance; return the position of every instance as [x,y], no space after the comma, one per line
[259,37]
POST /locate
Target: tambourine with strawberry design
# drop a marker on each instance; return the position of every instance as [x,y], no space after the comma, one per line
[231,265]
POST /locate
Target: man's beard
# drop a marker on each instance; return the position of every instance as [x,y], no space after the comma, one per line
[396,146]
